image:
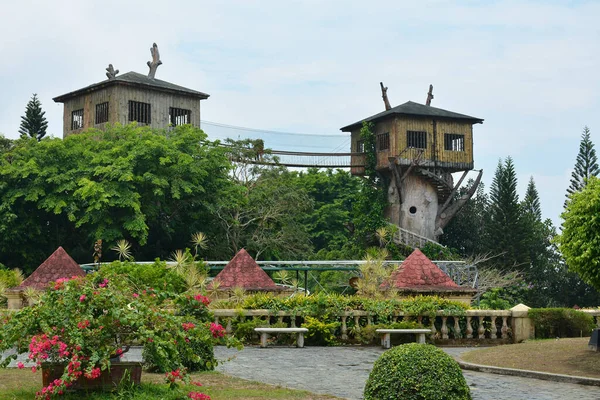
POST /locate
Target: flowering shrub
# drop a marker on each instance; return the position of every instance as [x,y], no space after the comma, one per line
[87,323]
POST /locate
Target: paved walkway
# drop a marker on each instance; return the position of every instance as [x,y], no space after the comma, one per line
[343,371]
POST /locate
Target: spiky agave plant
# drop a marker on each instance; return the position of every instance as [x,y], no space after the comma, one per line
[383,235]
[181,260]
[123,249]
[199,239]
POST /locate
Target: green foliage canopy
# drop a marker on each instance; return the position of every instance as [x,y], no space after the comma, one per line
[151,187]
[580,238]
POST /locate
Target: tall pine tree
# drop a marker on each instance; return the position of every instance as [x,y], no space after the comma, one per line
[33,123]
[531,202]
[586,164]
[505,230]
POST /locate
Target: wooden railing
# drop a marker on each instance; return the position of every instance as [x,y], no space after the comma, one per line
[403,236]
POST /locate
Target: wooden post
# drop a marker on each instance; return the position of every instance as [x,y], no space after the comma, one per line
[385,97]
[155,61]
[429,96]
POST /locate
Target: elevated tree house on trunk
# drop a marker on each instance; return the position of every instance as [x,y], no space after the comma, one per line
[418,148]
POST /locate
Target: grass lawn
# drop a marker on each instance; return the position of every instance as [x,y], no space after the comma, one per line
[23,384]
[563,356]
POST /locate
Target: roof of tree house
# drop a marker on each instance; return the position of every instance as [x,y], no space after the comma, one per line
[419,274]
[410,108]
[58,265]
[242,271]
[136,80]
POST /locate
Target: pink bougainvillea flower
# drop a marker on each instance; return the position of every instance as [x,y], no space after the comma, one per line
[104,283]
[198,396]
[196,383]
[188,325]
[217,330]
[82,298]
[136,295]
[20,365]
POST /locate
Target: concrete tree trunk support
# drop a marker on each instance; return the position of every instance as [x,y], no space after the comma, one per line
[522,326]
[419,207]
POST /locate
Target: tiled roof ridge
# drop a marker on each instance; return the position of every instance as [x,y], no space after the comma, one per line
[243,271]
[58,265]
[417,271]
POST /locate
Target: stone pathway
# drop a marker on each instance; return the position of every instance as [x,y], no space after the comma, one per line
[343,371]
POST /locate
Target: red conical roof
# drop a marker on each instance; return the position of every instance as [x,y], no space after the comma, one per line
[242,271]
[58,265]
[417,272]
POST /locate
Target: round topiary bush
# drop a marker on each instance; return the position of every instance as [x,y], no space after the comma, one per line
[416,372]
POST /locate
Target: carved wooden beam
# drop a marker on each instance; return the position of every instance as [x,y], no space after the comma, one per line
[155,61]
[385,97]
[396,169]
[445,215]
[429,96]
[111,73]
[449,199]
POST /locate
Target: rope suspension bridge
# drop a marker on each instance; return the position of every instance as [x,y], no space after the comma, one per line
[337,157]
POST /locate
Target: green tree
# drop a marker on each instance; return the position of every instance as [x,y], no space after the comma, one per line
[33,123]
[5,144]
[586,164]
[333,194]
[580,235]
[368,210]
[466,232]
[531,202]
[152,188]
[262,210]
[505,229]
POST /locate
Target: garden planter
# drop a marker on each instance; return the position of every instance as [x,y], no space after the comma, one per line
[108,380]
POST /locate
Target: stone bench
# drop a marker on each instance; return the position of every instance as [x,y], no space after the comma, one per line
[265,332]
[386,333]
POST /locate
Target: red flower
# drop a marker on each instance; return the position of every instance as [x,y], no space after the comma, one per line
[82,298]
[136,295]
[217,330]
[93,374]
[205,300]
[83,324]
[187,326]
[20,365]
[198,396]
[196,383]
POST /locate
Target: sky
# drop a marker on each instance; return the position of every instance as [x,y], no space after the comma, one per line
[530,69]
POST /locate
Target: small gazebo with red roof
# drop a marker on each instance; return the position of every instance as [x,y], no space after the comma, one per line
[419,275]
[243,272]
[58,265]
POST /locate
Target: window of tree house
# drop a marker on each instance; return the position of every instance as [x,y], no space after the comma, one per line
[77,119]
[102,113]
[454,142]
[360,146]
[140,112]
[416,139]
[179,116]
[383,141]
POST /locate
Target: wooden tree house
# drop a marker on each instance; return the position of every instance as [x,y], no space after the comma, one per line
[418,148]
[131,97]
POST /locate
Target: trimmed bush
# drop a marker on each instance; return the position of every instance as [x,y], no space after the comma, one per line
[416,372]
[560,322]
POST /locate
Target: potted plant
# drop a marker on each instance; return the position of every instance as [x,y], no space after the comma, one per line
[80,328]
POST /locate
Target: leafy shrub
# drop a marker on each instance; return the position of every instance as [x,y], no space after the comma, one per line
[560,322]
[492,300]
[416,372]
[244,330]
[10,278]
[144,276]
[320,333]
